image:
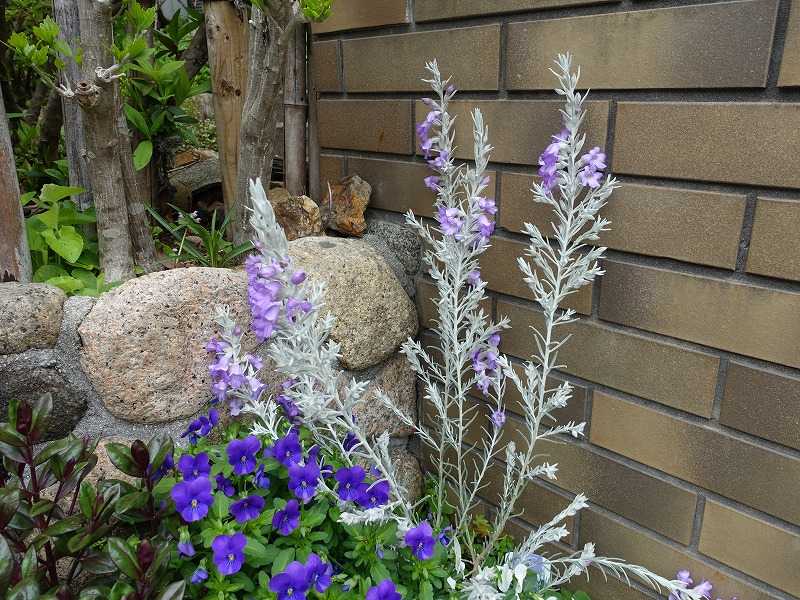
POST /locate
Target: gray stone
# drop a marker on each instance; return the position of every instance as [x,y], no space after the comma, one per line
[409,473]
[30,316]
[144,342]
[27,376]
[398,381]
[399,245]
[374,315]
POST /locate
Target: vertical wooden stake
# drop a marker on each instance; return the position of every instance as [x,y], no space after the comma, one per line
[15,257]
[314,184]
[295,109]
[226,34]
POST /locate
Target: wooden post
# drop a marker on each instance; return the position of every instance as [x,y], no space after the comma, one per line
[97,94]
[65,13]
[295,109]
[314,183]
[15,257]
[226,35]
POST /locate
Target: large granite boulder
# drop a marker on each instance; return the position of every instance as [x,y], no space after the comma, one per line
[144,342]
[374,315]
[30,316]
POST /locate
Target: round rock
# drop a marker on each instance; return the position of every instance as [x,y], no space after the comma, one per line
[374,315]
[144,342]
[30,316]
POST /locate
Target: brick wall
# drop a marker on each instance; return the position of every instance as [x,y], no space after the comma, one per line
[686,359]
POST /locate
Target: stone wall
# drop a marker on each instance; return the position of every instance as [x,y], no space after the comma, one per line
[687,355]
[133,363]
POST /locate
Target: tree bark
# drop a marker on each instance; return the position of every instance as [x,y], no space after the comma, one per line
[269,39]
[137,196]
[226,33]
[295,103]
[313,128]
[15,257]
[65,13]
[38,100]
[97,94]
[196,54]
[50,127]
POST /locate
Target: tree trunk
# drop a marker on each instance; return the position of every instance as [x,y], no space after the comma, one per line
[15,257]
[196,54]
[226,33]
[295,104]
[97,93]
[50,128]
[137,196]
[269,39]
[65,13]
[313,127]
[38,100]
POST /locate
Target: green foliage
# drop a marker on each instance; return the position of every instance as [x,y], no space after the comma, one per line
[213,251]
[59,531]
[63,253]
[316,10]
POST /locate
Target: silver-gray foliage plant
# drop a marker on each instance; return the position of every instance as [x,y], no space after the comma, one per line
[462,437]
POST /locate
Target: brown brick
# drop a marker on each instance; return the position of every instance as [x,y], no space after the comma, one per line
[649,501]
[735,142]
[660,371]
[434,10]
[707,46]
[790,63]
[747,319]
[330,172]
[762,402]
[365,68]
[500,270]
[325,66]
[738,469]
[398,186]
[519,129]
[375,125]
[358,14]
[688,225]
[774,248]
[752,545]
[615,538]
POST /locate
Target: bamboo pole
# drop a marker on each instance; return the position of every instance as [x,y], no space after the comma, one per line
[295,107]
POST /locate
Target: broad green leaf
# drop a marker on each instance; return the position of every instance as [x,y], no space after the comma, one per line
[70,215]
[67,525]
[87,278]
[27,589]
[86,499]
[120,457]
[70,285]
[6,563]
[174,591]
[283,558]
[124,557]
[53,193]
[65,241]
[142,154]
[137,119]
[50,271]
[50,216]
[33,228]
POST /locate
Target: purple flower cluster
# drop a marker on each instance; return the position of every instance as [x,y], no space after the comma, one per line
[593,164]
[484,362]
[353,487]
[232,378]
[426,142]
[273,294]
[385,590]
[704,588]
[297,579]
[201,426]
[548,160]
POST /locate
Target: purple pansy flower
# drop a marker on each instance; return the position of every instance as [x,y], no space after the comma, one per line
[225,485]
[385,590]
[292,583]
[260,478]
[202,425]
[286,520]
[350,441]
[421,541]
[185,548]
[247,509]
[290,409]
[229,552]
[303,479]
[287,450]
[319,573]
[375,495]
[192,498]
[242,454]
[351,483]
[193,467]
[199,575]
